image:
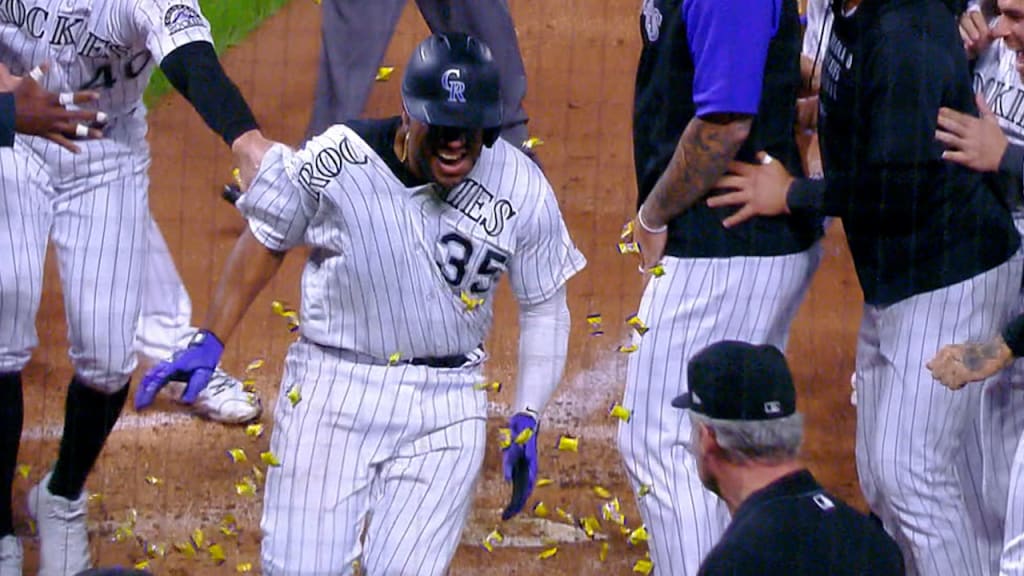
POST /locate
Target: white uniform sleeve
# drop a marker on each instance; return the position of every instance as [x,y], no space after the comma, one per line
[543,347]
[167,24]
[816,14]
[546,256]
[279,208]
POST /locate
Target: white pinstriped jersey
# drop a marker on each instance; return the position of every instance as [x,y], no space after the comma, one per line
[996,76]
[391,267]
[107,45]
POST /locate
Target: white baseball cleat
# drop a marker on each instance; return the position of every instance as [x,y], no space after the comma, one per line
[11,556]
[63,534]
[223,400]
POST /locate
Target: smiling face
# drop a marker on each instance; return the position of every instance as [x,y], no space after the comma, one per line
[440,154]
[1010,27]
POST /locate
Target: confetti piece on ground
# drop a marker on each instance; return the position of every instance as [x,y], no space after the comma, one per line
[237,455]
[254,365]
[257,473]
[492,386]
[491,539]
[602,492]
[568,444]
[603,554]
[544,482]
[637,324]
[645,489]
[228,530]
[594,321]
[384,73]
[532,142]
[394,358]
[565,515]
[23,470]
[186,548]
[254,430]
[617,411]
[142,565]
[294,396]
[246,487]
[548,553]
[643,566]
[627,230]
[504,437]
[269,459]
[628,349]
[638,536]
[611,511]
[540,510]
[524,436]
[249,385]
[95,497]
[198,538]
[657,270]
[217,554]
[153,481]
[629,248]
[590,525]
[469,302]
[156,550]
[244,567]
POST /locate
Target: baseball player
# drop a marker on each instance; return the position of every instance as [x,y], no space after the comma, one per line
[930,240]
[411,221]
[704,75]
[93,207]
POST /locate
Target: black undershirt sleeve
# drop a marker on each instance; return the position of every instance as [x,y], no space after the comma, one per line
[1013,335]
[194,70]
[1012,162]
[8,119]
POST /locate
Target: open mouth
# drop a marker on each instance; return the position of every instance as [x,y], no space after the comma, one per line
[452,163]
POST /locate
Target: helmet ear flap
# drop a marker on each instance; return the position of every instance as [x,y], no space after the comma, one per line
[491,136]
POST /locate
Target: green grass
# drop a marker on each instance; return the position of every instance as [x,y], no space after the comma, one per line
[230,21]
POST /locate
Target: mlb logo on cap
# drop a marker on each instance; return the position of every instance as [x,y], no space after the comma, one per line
[732,380]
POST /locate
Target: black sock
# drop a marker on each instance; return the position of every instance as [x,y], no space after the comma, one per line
[12,414]
[89,416]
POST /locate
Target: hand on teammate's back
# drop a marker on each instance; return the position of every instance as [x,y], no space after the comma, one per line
[195,365]
[520,461]
[249,149]
[977,143]
[758,190]
[41,113]
[976,34]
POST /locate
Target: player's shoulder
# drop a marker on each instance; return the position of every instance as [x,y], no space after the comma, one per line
[508,172]
[348,143]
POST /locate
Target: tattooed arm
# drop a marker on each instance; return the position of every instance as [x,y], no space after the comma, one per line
[959,364]
[705,149]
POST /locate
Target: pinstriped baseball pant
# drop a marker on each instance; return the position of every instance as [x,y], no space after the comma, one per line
[697,302]
[378,464]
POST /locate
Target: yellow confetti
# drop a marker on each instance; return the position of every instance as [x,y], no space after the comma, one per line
[142,565]
[565,515]
[394,358]
[254,365]
[257,474]
[23,470]
[628,349]
[237,455]
[595,320]
[384,73]
[249,385]
[95,498]
[123,534]
[32,527]
[278,307]
[544,482]
[294,396]
[524,436]
[243,567]
[217,554]
[491,539]
[590,525]
[603,555]
[638,536]
[228,530]
[246,487]
[469,302]
[568,444]
[629,248]
[645,489]
[602,492]
[287,313]
[270,459]
[532,142]
[544,555]
[617,411]
[198,538]
[186,548]
[611,511]
[156,550]
[637,324]
[657,270]
[254,430]
[236,174]
[504,437]
[153,481]
[317,2]
[627,230]
[494,386]
[643,566]
[540,510]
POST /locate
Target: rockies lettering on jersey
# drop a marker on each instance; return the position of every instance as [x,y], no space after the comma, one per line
[473,200]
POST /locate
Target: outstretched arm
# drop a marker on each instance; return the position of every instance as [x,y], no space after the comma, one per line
[249,269]
[543,347]
[957,365]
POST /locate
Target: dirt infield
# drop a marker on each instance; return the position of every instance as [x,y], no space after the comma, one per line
[164,474]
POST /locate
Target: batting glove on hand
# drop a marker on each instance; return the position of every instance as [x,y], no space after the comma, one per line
[520,461]
[194,364]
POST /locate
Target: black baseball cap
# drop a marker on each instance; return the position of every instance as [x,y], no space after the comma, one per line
[732,380]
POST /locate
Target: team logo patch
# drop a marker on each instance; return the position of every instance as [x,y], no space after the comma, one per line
[456,88]
[180,17]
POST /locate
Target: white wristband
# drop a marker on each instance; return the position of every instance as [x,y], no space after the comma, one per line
[648,229]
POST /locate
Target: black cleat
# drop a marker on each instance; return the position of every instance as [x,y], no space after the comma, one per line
[231,193]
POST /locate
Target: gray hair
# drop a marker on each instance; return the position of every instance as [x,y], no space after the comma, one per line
[769,441]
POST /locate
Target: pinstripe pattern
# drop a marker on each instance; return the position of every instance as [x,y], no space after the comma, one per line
[911,432]
[1012,559]
[403,442]
[697,302]
[166,314]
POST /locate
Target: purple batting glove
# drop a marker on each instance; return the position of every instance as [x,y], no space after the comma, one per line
[194,364]
[520,462]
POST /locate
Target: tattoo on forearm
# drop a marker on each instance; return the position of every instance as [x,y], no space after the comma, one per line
[976,355]
[703,154]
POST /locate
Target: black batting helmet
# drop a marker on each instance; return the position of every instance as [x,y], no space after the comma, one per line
[451,80]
